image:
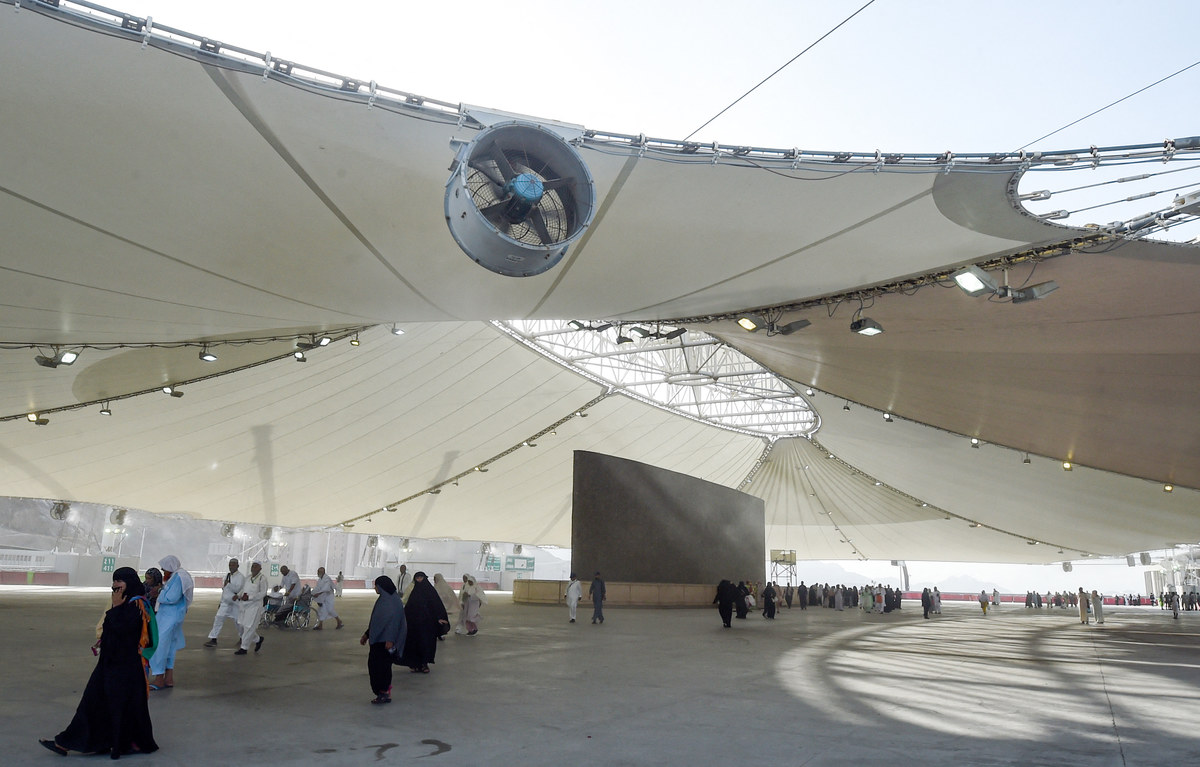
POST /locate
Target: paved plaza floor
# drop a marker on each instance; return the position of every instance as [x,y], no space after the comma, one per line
[664,687]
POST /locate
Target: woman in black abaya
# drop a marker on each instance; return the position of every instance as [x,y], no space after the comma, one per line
[113,716]
[426,618]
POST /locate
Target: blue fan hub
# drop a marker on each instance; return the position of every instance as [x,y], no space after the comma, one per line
[524,190]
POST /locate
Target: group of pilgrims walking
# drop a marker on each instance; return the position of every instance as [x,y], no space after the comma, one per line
[769,598]
[138,637]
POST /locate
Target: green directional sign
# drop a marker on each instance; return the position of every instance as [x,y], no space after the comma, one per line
[518,563]
[108,564]
[492,564]
[274,568]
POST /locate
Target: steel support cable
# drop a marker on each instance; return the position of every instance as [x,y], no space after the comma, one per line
[777,71]
[1101,109]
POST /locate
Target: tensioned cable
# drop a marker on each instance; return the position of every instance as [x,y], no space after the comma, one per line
[777,71]
[1101,109]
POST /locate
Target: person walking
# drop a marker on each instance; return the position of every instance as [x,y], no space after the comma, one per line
[742,605]
[323,596]
[727,596]
[403,582]
[425,616]
[1098,607]
[473,599]
[1083,606]
[936,601]
[228,609]
[385,633]
[338,581]
[113,715]
[926,602]
[983,601]
[289,584]
[250,602]
[768,597]
[173,603]
[597,593]
[154,583]
[573,595]
[451,601]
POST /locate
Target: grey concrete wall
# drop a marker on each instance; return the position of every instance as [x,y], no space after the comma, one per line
[641,524]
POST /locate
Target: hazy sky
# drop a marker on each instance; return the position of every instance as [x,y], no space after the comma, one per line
[902,76]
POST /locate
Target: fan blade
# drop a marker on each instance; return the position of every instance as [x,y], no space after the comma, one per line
[538,224]
[489,173]
[493,212]
[497,154]
[557,183]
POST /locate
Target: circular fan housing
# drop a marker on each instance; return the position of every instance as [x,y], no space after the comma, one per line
[518,197]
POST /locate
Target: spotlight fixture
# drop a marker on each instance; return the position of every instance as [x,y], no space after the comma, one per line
[622,338]
[299,355]
[1032,543]
[1026,460]
[396,331]
[324,341]
[792,327]
[887,417]
[581,414]
[105,409]
[974,442]
[37,419]
[435,491]
[171,391]
[751,322]
[866,326]
[354,341]
[603,326]
[642,332]
[975,524]
[676,333]
[578,325]
[64,357]
[846,406]
[975,282]
[527,443]
[1067,466]
[1033,292]
[1168,488]
[207,356]
[480,468]
[809,391]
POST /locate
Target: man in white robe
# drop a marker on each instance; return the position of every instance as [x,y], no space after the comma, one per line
[290,585]
[228,609]
[574,594]
[250,601]
[323,596]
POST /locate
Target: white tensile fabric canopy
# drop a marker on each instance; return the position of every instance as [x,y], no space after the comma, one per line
[158,195]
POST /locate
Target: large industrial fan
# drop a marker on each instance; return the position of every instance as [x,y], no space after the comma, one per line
[519,195]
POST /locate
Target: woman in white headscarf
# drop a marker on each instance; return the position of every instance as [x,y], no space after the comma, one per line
[472,600]
[172,607]
[449,599]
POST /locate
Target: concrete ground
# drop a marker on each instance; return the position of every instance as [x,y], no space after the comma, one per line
[672,687]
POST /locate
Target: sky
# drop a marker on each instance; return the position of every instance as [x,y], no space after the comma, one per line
[911,76]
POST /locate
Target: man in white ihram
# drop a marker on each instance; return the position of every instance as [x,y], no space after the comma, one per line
[228,609]
[290,585]
[323,596]
[251,603]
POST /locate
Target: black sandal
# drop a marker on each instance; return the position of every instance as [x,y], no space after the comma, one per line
[53,746]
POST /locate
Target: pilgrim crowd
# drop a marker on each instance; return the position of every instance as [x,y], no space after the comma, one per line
[138,637]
